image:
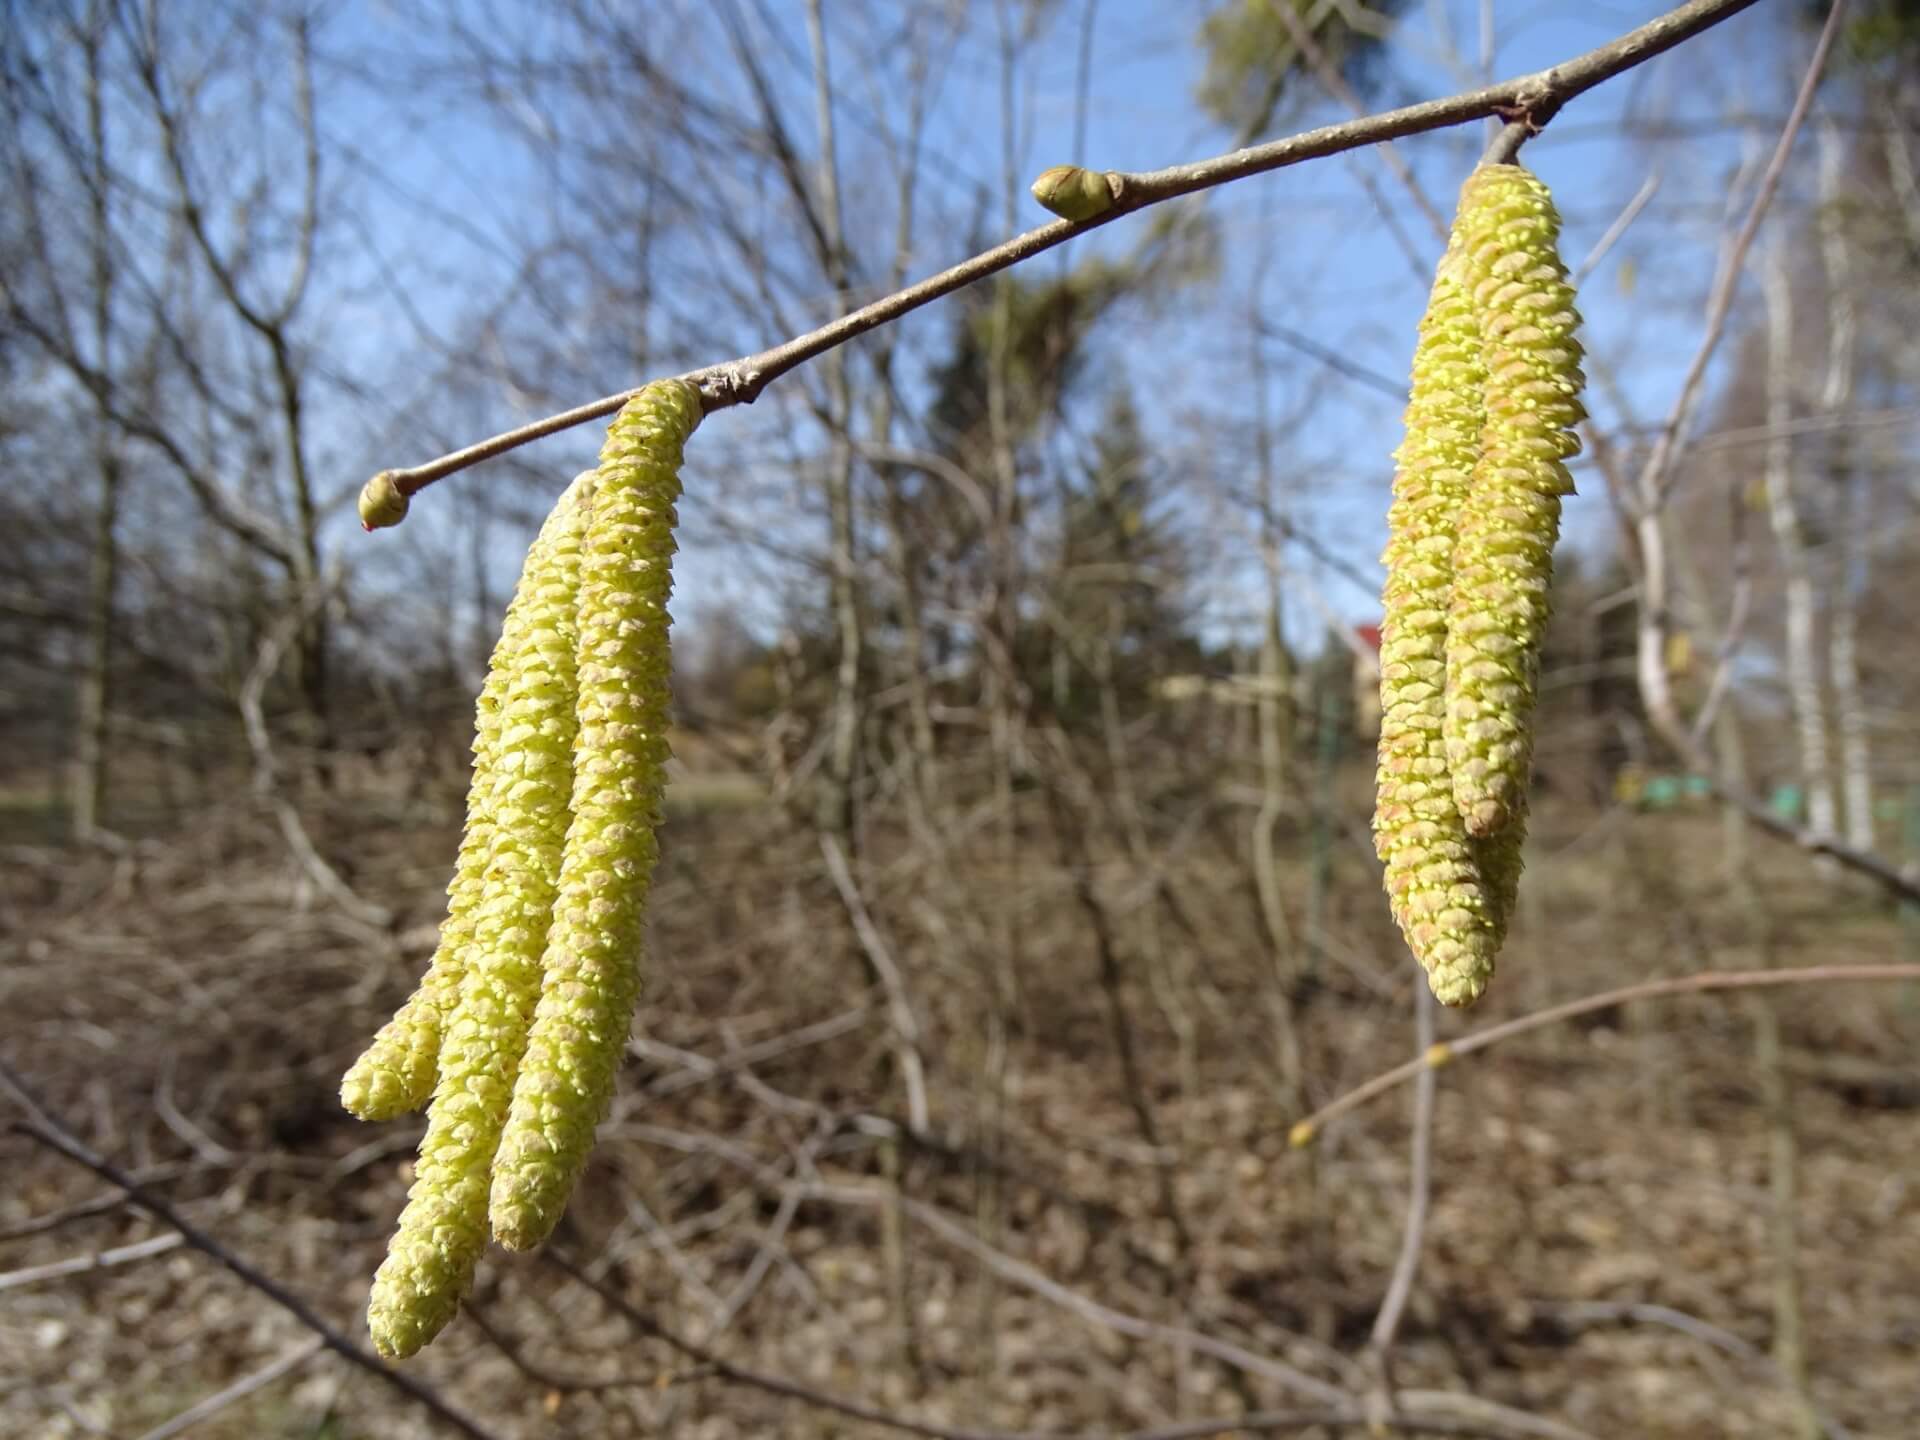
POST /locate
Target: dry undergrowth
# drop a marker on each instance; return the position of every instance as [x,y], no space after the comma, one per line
[188,1009]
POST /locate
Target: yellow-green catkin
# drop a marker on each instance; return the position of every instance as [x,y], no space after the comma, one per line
[398,1070]
[592,964]
[443,1229]
[1435,883]
[1503,562]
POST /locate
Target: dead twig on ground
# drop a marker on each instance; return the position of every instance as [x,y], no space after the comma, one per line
[1708,982]
[44,1129]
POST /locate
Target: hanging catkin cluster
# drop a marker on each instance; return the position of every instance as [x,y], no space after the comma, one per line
[1469,558]
[517,1030]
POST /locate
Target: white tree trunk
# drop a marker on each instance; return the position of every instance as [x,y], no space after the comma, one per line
[1803,676]
[1843,658]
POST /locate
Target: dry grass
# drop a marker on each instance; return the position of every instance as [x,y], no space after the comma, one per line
[188,1008]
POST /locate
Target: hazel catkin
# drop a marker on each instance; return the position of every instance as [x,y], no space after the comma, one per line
[1503,560]
[398,1070]
[1435,883]
[1475,514]
[592,961]
[443,1229]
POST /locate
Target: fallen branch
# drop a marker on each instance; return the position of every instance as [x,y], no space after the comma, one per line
[83,1264]
[44,1129]
[1492,1420]
[239,1390]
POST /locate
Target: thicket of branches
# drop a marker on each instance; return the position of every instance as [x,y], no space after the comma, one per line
[1017,900]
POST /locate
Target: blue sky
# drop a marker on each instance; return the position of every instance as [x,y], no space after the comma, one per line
[467,196]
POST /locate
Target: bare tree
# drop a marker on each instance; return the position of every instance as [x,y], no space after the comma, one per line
[1011,938]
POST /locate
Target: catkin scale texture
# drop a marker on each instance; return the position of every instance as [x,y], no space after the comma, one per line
[524,806]
[398,1070]
[1507,234]
[593,949]
[1436,886]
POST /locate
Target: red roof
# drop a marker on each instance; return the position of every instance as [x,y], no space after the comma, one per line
[1370,634]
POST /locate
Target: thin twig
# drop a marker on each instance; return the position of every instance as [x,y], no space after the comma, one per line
[97,1205]
[1339,1412]
[1537,97]
[566,1384]
[1739,610]
[1328,356]
[1706,982]
[1037,1282]
[1649,499]
[1472,1413]
[1601,247]
[770,1384]
[239,1390]
[1726,283]
[1335,84]
[82,1264]
[315,596]
[1413,1235]
[1806,425]
[698,1069]
[906,1027]
[1578,1311]
[44,1129]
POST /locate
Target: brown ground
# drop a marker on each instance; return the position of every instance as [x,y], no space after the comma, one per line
[189,1007]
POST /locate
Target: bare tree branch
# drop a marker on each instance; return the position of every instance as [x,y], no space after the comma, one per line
[84,1264]
[44,1128]
[1653,479]
[1704,983]
[1648,501]
[233,1394]
[1537,96]
[1495,1421]
[1413,1235]
[1629,1313]
[906,1027]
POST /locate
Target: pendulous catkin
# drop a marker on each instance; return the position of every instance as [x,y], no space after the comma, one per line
[1476,511]
[443,1229]
[1435,882]
[1503,562]
[593,950]
[398,1070]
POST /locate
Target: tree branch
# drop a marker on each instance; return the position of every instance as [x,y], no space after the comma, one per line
[1585,1312]
[239,1390]
[1653,479]
[1706,982]
[44,1129]
[1533,98]
[86,1264]
[1648,501]
[1335,1414]
[1413,1235]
